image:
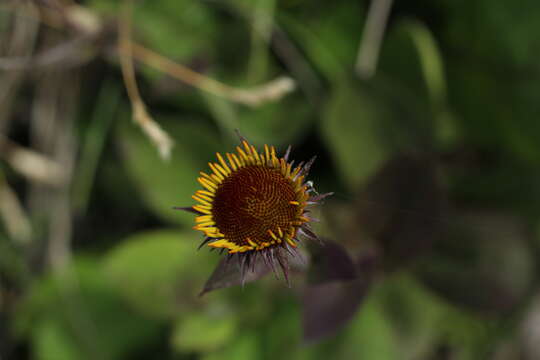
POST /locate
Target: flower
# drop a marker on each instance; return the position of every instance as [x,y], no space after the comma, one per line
[255,204]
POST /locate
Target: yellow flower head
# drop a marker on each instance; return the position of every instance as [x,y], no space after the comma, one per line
[255,203]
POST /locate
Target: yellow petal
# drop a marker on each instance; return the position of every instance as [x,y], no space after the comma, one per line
[201,210]
[223,164]
[232,162]
[216,171]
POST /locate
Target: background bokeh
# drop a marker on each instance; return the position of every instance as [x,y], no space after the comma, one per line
[424,116]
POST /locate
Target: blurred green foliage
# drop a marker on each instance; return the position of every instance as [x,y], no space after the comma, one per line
[457,85]
[157,181]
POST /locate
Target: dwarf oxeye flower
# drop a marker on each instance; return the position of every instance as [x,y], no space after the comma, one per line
[255,203]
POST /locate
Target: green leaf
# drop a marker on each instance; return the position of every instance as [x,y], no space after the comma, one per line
[177,29]
[104,7]
[352,128]
[424,321]
[461,265]
[83,321]
[327,39]
[50,341]
[159,272]
[93,141]
[411,57]
[203,332]
[245,346]
[416,314]
[493,84]
[162,184]
[370,336]
[511,23]
[280,123]
[400,62]
[282,334]
[430,59]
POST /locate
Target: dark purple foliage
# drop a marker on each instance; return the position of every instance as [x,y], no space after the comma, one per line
[402,209]
[335,289]
[232,271]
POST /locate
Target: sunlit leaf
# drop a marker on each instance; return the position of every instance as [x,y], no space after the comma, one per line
[203,332]
[245,346]
[51,341]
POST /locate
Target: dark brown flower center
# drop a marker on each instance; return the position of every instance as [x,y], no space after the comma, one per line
[251,201]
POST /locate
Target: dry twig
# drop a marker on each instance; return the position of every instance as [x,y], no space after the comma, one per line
[19,42]
[72,53]
[157,135]
[34,166]
[13,214]
[256,96]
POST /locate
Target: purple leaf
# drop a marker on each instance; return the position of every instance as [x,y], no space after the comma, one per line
[328,306]
[330,262]
[402,208]
[228,273]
